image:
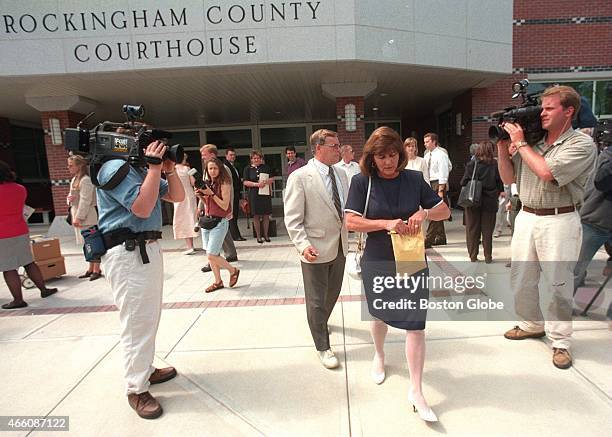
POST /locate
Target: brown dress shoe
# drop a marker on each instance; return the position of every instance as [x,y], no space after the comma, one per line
[562,358]
[162,375]
[145,405]
[517,333]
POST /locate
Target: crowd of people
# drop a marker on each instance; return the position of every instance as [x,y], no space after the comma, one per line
[557,193]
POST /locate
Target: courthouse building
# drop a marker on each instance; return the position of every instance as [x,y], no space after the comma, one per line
[265,74]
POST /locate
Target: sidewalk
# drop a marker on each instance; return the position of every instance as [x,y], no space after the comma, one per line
[247,365]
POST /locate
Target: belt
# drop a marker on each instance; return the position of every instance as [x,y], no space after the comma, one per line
[131,240]
[550,211]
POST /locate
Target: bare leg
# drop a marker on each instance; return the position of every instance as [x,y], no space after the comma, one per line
[415,355]
[11,278]
[34,273]
[189,242]
[266,225]
[217,263]
[94,267]
[378,329]
[214,266]
[257,226]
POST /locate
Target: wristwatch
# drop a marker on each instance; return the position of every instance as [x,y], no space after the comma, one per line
[519,144]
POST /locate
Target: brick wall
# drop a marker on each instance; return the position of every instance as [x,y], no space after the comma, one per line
[356,138]
[57,157]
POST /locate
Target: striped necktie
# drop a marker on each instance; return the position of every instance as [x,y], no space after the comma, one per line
[335,192]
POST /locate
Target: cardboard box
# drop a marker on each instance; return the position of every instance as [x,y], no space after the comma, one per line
[52,268]
[46,249]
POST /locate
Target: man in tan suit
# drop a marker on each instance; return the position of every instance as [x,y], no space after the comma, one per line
[314,205]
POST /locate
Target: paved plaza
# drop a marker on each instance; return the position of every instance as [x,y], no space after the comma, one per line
[247,364]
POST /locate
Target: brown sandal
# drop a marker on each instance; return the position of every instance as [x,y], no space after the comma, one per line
[214,287]
[234,277]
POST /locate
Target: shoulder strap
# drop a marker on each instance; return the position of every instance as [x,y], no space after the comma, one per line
[115,180]
[365,211]
[474,172]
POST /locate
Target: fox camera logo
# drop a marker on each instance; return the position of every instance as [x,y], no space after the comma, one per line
[121,145]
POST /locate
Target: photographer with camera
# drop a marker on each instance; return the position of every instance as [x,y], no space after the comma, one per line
[130,221]
[550,175]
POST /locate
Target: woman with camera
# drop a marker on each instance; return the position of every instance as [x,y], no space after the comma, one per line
[215,224]
[82,202]
[480,220]
[15,240]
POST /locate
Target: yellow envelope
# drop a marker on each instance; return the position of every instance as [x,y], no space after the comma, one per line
[409,252]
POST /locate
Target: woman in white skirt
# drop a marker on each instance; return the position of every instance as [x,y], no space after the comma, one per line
[15,249]
[184,219]
[82,202]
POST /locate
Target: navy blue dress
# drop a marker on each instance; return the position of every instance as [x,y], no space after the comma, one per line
[391,199]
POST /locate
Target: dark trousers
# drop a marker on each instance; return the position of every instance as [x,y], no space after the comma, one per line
[233,223]
[435,230]
[322,283]
[477,223]
[229,249]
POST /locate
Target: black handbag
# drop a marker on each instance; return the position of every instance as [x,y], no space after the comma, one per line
[208,222]
[69,217]
[470,195]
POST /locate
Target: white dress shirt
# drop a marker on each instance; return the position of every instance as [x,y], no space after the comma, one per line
[437,164]
[324,172]
[351,169]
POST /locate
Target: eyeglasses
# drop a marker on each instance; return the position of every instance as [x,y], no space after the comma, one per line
[335,146]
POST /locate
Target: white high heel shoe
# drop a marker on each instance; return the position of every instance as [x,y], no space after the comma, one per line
[377,377]
[426,413]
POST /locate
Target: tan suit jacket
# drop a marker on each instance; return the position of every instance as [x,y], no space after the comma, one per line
[83,205]
[310,216]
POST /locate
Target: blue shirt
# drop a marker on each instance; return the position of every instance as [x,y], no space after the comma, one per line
[115,206]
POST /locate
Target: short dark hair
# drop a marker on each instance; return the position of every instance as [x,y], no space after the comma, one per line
[434,137]
[6,174]
[384,139]
[229,149]
[290,148]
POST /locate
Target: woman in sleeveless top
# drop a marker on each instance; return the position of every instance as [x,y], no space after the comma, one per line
[216,197]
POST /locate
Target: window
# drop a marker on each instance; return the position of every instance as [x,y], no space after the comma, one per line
[186,139]
[28,147]
[238,139]
[283,137]
[603,99]
[597,92]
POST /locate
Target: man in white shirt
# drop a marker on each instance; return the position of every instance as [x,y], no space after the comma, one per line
[346,163]
[438,165]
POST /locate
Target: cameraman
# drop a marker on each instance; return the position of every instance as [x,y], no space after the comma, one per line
[550,177]
[133,208]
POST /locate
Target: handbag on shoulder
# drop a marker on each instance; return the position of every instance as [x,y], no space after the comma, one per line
[353,259]
[470,195]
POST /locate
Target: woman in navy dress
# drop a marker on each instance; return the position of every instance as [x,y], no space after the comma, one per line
[399,201]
